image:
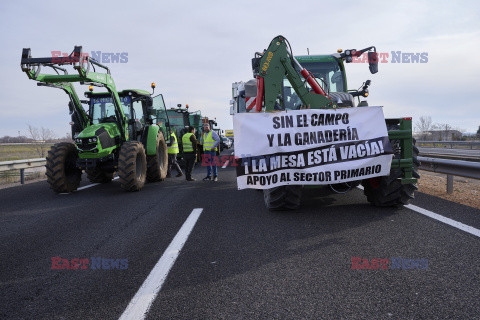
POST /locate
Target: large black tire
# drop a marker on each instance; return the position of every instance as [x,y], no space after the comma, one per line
[132,166]
[283,197]
[157,165]
[62,173]
[388,191]
[96,175]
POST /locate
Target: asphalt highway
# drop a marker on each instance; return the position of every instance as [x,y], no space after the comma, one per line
[232,258]
[466,154]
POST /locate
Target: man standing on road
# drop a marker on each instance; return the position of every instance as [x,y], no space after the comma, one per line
[172,155]
[189,143]
[210,141]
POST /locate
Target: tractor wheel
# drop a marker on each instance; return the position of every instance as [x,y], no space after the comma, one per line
[388,191]
[96,175]
[283,197]
[158,164]
[132,166]
[62,172]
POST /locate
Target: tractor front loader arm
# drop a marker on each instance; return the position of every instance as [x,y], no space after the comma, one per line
[82,63]
[69,89]
[272,66]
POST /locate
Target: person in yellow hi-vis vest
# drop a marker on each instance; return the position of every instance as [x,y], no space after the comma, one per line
[210,141]
[189,143]
[172,155]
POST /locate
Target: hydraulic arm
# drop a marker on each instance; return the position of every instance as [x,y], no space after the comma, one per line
[82,63]
[278,62]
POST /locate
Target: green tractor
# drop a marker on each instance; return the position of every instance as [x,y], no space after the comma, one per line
[285,82]
[117,133]
[182,118]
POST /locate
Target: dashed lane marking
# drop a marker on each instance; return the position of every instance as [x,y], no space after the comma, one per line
[92,185]
[143,299]
[441,218]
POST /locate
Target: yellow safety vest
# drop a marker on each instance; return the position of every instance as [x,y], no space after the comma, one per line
[187,144]
[173,149]
[208,141]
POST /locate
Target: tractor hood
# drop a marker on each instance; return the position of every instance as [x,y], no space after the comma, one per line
[97,140]
[96,130]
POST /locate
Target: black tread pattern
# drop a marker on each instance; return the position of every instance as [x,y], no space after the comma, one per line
[96,175]
[157,170]
[62,174]
[389,191]
[283,197]
[127,166]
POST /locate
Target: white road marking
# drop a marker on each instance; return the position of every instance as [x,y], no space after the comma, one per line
[436,216]
[226,164]
[445,220]
[88,186]
[143,299]
[92,185]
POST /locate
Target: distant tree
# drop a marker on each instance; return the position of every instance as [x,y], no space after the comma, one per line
[20,139]
[66,138]
[478,132]
[444,129]
[423,126]
[41,137]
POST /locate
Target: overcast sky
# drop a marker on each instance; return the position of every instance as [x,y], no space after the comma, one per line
[194,50]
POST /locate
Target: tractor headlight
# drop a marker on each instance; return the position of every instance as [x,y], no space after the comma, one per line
[78,140]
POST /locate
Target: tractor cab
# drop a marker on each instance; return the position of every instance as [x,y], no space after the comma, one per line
[137,107]
[329,72]
[180,119]
[139,112]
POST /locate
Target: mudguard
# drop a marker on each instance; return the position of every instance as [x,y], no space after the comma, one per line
[151,140]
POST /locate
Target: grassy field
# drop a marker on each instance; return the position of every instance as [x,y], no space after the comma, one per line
[7,177]
[23,151]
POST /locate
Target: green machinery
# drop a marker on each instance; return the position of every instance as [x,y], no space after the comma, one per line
[182,118]
[285,82]
[118,133]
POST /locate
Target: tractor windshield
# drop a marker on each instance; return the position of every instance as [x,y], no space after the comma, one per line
[160,117]
[176,119]
[102,109]
[195,119]
[328,74]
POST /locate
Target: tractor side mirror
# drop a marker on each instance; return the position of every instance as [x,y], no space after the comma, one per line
[70,107]
[149,107]
[373,62]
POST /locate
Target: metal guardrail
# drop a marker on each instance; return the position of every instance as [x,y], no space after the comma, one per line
[444,144]
[22,165]
[451,168]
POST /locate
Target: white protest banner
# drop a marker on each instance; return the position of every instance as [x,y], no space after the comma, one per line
[312,146]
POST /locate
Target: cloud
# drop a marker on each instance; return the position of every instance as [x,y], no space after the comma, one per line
[194,51]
